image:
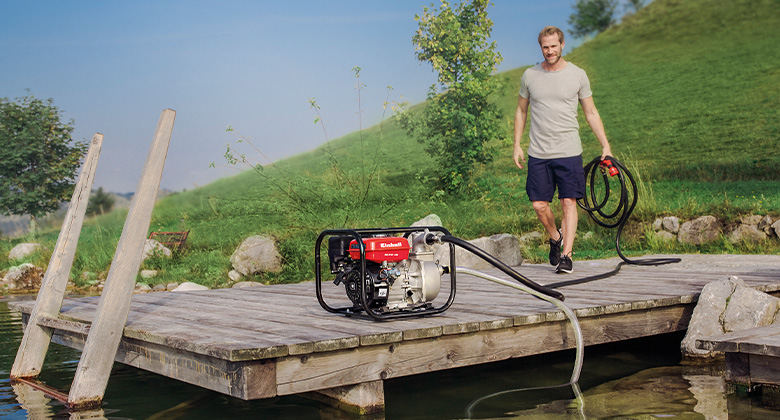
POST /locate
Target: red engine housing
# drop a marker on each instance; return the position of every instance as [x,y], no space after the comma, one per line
[389,248]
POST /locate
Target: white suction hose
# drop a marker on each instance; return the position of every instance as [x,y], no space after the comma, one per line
[580,348]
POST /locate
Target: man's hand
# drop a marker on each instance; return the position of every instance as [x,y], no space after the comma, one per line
[605,151]
[518,157]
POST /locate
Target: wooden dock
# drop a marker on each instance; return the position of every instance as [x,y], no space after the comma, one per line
[265,341]
[752,358]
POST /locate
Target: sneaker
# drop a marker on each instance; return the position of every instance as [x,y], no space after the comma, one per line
[565,265]
[555,249]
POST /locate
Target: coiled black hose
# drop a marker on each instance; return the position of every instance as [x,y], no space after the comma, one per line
[597,210]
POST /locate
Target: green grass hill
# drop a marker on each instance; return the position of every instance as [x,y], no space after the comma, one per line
[689,91]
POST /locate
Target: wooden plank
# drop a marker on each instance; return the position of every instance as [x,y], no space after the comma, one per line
[245,380]
[36,339]
[94,368]
[297,374]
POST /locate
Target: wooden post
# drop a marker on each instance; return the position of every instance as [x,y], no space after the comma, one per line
[363,398]
[100,349]
[35,343]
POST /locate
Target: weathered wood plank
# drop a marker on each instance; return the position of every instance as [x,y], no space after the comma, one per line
[36,339]
[94,368]
[245,380]
[297,374]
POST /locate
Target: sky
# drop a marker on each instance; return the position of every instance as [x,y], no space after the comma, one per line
[113,67]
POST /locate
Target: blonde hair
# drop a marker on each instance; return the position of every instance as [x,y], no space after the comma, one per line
[551,30]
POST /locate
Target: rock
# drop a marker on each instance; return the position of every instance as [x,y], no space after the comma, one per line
[665,236]
[243,284]
[507,249]
[671,224]
[776,228]
[87,275]
[23,250]
[159,288]
[142,288]
[706,317]
[699,231]
[749,308]
[257,254]
[658,224]
[429,220]
[765,225]
[751,220]
[234,276]
[154,248]
[531,238]
[148,274]
[189,286]
[171,286]
[23,277]
[504,247]
[747,233]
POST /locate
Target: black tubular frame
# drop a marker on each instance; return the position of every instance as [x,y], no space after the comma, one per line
[358,235]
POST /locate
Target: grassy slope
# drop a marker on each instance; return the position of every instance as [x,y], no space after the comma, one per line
[688,90]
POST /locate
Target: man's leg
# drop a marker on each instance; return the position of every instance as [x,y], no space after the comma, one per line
[568,224]
[546,216]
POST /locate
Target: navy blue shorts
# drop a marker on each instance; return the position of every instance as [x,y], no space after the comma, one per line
[545,175]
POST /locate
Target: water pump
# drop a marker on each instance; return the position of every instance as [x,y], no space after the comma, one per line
[386,273]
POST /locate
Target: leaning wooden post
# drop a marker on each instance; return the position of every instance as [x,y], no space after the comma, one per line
[91,379]
[36,340]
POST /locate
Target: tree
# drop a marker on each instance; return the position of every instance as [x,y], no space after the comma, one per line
[100,202]
[592,16]
[458,122]
[636,5]
[39,159]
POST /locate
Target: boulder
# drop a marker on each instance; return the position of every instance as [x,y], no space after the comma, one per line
[148,274]
[671,224]
[189,286]
[159,288]
[752,220]
[171,286]
[747,233]
[154,248]
[142,288]
[699,231]
[507,249]
[23,277]
[749,308]
[665,236]
[706,317]
[776,228]
[765,225]
[429,220]
[504,247]
[257,254]
[531,238]
[234,275]
[23,250]
[658,224]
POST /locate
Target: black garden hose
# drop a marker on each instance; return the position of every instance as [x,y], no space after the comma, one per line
[501,266]
[617,218]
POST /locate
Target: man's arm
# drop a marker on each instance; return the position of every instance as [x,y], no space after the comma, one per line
[521,115]
[594,121]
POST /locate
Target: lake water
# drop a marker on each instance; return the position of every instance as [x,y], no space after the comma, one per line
[640,380]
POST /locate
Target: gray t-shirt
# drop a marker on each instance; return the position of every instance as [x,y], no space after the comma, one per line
[554,97]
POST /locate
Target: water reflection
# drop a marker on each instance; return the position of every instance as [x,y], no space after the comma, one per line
[38,405]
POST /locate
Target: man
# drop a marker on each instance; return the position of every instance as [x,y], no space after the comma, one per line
[553,89]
